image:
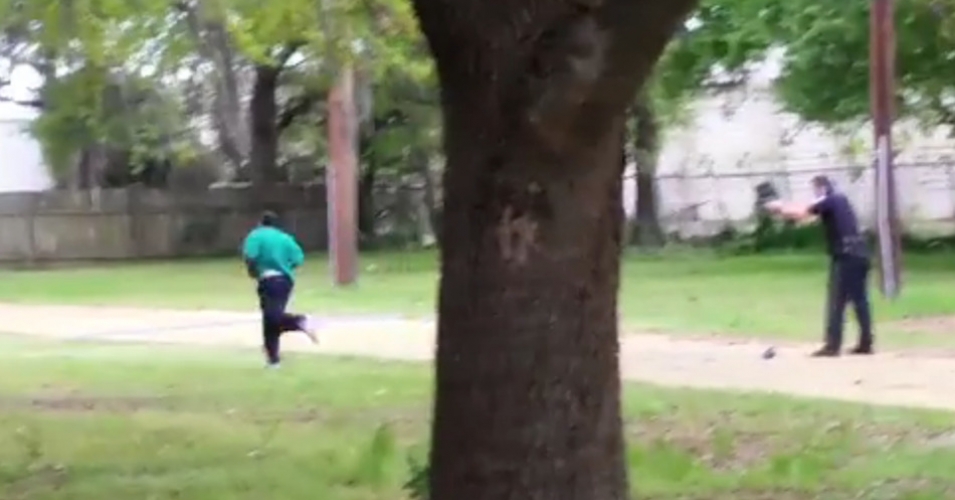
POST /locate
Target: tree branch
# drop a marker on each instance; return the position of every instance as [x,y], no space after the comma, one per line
[287,52]
[30,103]
[298,107]
[568,65]
[594,63]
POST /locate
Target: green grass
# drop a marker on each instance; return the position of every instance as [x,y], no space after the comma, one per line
[88,422]
[769,296]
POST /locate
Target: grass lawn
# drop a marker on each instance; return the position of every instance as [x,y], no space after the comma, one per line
[92,422]
[774,296]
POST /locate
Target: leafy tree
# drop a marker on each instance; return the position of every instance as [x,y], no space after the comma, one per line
[708,55]
[277,55]
[373,36]
[533,99]
[137,134]
[398,145]
[97,112]
[825,63]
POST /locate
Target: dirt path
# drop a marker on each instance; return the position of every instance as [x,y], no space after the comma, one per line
[923,380]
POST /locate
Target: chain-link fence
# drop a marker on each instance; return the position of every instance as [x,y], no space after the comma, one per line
[704,202]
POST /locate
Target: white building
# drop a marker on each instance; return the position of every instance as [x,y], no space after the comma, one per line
[709,167]
[21,161]
[22,167]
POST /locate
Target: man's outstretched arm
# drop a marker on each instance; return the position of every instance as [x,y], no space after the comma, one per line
[788,210]
[794,211]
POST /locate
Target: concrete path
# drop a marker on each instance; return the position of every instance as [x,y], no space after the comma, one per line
[923,380]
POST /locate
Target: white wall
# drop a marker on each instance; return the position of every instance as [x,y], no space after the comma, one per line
[21,162]
[709,167]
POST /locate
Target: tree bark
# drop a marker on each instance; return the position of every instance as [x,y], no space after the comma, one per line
[263,118]
[527,402]
[647,230]
[214,44]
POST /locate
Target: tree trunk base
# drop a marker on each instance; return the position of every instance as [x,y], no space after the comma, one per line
[527,399]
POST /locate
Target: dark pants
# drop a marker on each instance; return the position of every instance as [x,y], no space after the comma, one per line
[274,294]
[848,282]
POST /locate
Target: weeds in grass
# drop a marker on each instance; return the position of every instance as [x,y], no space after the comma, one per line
[376,465]
[417,484]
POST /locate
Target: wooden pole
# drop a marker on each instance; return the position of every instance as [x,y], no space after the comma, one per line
[342,180]
[882,97]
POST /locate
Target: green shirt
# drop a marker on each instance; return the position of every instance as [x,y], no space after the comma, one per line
[271,250]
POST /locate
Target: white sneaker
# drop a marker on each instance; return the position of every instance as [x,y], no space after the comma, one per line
[307,326]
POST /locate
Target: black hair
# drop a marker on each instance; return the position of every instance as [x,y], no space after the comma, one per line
[823,182]
[269,219]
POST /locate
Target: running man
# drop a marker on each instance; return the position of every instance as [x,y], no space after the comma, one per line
[272,257]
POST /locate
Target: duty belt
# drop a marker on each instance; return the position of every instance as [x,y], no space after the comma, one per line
[854,245]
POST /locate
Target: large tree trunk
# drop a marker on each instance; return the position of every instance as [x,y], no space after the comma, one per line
[647,230]
[263,119]
[527,403]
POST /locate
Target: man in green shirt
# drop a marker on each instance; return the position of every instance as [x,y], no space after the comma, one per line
[272,257]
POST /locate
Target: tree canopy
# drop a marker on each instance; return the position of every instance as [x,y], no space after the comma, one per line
[204,57]
[823,50]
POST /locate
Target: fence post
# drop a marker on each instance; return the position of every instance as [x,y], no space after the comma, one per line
[34,209]
[135,224]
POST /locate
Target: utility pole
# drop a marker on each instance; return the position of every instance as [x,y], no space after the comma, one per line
[342,179]
[882,100]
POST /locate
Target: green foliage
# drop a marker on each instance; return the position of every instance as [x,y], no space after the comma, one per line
[837,41]
[72,120]
[770,235]
[713,51]
[825,64]
[417,484]
[87,45]
[90,54]
[376,464]
[119,113]
[379,38]
[773,235]
[409,117]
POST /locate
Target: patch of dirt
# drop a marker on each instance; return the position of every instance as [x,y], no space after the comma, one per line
[887,378]
[30,482]
[719,450]
[933,325]
[401,416]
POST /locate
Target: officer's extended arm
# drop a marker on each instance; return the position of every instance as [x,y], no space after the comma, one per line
[789,210]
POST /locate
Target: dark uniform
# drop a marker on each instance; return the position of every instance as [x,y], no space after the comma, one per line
[848,270]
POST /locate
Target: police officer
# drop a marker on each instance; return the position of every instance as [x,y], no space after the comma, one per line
[849,262]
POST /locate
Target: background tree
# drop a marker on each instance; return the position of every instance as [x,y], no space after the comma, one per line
[706,57]
[533,98]
[824,49]
[247,72]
